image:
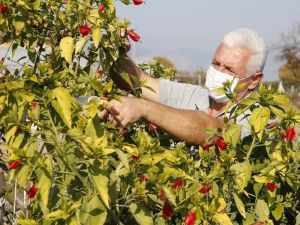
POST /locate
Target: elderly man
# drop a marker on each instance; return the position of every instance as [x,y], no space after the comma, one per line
[185,110]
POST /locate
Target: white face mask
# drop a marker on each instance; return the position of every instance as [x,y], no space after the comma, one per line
[215,80]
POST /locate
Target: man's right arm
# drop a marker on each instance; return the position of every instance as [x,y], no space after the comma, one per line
[126,64]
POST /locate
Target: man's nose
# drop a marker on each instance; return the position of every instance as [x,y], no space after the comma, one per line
[221,68]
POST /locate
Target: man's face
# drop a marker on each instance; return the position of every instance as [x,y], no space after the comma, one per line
[232,61]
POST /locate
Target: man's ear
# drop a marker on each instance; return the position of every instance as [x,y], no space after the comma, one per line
[255,81]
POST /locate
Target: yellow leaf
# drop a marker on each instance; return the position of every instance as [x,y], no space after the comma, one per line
[61,101]
[222,218]
[19,26]
[239,204]
[97,36]
[67,48]
[260,179]
[55,215]
[80,44]
[242,173]
[101,185]
[282,100]
[26,222]
[259,120]
[44,189]
[141,214]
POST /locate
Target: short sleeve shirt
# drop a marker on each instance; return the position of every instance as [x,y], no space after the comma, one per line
[192,97]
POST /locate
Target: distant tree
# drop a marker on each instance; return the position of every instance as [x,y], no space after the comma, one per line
[167,63]
[289,52]
[197,77]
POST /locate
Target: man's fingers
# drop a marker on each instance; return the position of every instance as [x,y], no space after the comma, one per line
[114,111]
[103,115]
[124,122]
[123,32]
[114,118]
[126,47]
[123,132]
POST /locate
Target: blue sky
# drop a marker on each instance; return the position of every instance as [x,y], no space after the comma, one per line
[189,31]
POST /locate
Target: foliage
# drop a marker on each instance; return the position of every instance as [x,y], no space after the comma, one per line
[77,169]
[289,52]
[164,62]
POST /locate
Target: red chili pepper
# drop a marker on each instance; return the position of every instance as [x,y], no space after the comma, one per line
[152,127]
[144,179]
[190,218]
[138,2]
[205,189]
[3,8]
[101,8]
[32,191]
[290,134]
[133,35]
[100,73]
[206,147]
[177,184]
[167,210]
[221,143]
[84,30]
[19,130]
[134,157]
[271,186]
[14,164]
[33,105]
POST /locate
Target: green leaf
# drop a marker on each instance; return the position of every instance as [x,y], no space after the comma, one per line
[97,36]
[123,157]
[93,128]
[79,44]
[282,100]
[233,134]
[242,173]
[298,219]
[170,195]
[100,182]
[59,214]
[239,204]
[156,158]
[23,175]
[92,211]
[44,188]
[278,211]
[262,210]
[91,107]
[67,48]
[259,120]
[26,222]
[277,111]
[18,25]
[108,87]
[61,101]
[141,214]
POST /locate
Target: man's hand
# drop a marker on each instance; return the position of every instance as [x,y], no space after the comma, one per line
[124,111]
[187,125]
[126,47]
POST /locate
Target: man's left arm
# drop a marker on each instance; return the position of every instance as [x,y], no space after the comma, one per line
[186,125]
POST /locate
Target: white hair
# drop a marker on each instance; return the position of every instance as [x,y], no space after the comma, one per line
[253,42]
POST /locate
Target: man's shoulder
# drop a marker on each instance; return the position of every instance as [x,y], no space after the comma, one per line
[183,95]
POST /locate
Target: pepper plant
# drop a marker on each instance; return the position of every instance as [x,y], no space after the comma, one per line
[77,169]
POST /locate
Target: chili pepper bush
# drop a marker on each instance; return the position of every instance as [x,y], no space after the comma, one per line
[78,169]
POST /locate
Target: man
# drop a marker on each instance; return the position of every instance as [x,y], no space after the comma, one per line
[185,110]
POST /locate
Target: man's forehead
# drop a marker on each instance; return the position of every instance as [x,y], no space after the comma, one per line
[231,56]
